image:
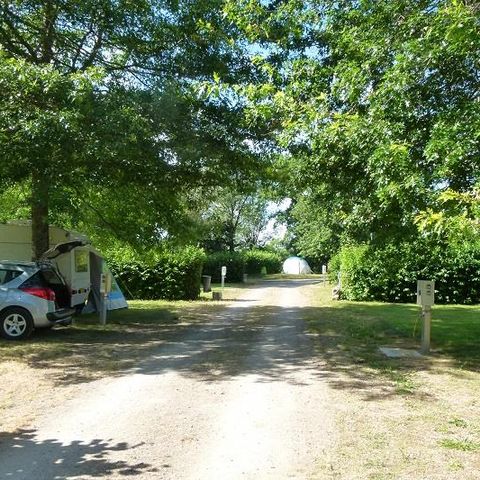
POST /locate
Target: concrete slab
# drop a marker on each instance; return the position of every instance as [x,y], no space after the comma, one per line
[392,352]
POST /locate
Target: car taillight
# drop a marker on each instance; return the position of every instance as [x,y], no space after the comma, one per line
[41,292]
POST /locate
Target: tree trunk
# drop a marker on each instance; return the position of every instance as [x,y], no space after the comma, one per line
[230,237]
[39,204]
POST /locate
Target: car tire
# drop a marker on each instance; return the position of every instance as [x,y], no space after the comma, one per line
[15,323]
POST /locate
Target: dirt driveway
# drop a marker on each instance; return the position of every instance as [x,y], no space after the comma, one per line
[241,396]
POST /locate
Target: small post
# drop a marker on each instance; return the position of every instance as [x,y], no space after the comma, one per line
[103,310]
[324,273]
[426,298]
[426,329]
[224,274]
[105,288]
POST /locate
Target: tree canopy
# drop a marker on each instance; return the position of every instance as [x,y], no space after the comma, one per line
[104,97]
[365,113]
[376,105]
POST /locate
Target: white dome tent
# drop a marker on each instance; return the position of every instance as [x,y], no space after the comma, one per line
[296,266]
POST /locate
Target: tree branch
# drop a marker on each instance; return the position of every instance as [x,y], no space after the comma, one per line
[18,36]
[95,49]
[48,32]
[79,48]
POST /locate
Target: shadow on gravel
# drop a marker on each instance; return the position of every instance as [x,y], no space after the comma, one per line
[214,343]
[21,453]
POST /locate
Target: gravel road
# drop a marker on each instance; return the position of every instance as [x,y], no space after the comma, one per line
[240,397]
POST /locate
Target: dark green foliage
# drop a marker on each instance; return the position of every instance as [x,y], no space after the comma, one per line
[235,263]
[98,97]
[250,261]
[169,275]
[315,263]
[390,273]
[256,259]
[376,107]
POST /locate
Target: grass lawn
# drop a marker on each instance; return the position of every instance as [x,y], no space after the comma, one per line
[399,418]
[362,327]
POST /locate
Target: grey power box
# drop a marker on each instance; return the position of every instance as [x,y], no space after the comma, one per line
[425,293]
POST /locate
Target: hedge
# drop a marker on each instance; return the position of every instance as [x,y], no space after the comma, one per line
[390,273]
[174,275]
[256,259]
[235,263]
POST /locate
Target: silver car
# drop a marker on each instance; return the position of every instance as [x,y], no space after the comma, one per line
[32,295]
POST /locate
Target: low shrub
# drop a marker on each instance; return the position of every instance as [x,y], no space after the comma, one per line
[171,275]
[256,259]
[235,263]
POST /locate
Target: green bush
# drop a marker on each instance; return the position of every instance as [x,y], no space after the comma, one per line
[390,273]
[171,275]
[334,268]
[256,259]
[351,262]
[234,262]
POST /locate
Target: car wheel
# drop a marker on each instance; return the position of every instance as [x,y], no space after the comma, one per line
[15,323]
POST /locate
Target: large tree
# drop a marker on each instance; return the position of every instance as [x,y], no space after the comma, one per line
[232,220]
[103,94]
[376,105]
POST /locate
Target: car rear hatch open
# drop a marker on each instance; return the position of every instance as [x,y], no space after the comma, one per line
[62,248]
[72,261]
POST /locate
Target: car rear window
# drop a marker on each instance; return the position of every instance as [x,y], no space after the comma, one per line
[36,280]
[51,277]
[43,278]
[7,276]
